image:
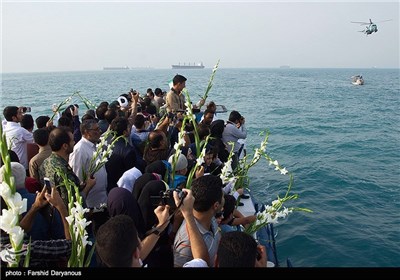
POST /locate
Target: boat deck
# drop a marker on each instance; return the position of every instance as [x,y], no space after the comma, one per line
[248,207]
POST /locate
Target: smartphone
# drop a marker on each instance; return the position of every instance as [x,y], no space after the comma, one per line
[26,109]
[47,184]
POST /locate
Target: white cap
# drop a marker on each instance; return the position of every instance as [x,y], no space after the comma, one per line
[123,102]
[181,163]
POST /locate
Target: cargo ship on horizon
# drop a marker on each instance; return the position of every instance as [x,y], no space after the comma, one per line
[188,66]
[116,68]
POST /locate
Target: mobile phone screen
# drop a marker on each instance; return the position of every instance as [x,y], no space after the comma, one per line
[47,184]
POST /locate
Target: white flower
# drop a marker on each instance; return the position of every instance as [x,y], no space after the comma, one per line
[283,171]
[82,223]
[85,241]
[16,202]
[5,190]
[16,235]
[176,146]
[199,161]
[275,203]
[70,219]
[8,220]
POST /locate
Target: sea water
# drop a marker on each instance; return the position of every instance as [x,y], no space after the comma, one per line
[340,142]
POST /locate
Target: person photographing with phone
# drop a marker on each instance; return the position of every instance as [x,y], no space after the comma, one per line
[43,226]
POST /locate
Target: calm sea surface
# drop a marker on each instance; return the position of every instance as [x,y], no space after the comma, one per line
[340,141]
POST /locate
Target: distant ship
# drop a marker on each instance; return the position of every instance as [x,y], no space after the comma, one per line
[116,68]
[188,66]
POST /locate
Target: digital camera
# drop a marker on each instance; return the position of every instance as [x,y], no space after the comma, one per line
[167,198]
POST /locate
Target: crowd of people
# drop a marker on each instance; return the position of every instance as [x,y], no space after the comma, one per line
[143,220]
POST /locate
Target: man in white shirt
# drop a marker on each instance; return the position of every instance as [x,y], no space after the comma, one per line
[80,158]
[17,137]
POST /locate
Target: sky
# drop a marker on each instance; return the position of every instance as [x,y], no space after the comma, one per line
[44,36]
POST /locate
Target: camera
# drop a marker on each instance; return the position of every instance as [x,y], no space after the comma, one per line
[167,198]
[171,116]
[26,109]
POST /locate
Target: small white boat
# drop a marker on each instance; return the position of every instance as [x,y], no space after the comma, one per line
[357,80]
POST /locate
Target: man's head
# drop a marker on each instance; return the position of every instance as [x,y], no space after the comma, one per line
[120,126]
[62,140]
[207,191]
[27,122]
[90,129]
[41,121]
[236,249]
[208,117]
[158,92]
[41,136]
[117,242]
[179,82]
[235,117]
[12,114]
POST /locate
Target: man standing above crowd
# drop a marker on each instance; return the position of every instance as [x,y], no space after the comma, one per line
[175,99]
[17,137]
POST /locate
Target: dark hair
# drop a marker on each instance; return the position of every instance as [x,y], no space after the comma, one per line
[203,131]
[235,116]
[206,190]
[212,106]
[103,104]
[41,136]
[116,241]
[178,79]
[101,111]
[155,137]
[237,249]
[41,121]
[58,137]
[88,117]
[13,158]
[9,112]
[65,121]
[119,125]
[229,205]
[27,122]
[110,114]
[157,91]
[139,121]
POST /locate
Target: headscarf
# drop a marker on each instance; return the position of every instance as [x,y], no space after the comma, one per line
[121,201]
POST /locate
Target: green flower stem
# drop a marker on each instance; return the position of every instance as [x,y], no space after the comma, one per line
[210,82]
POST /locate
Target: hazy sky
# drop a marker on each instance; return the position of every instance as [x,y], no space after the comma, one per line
[76,35]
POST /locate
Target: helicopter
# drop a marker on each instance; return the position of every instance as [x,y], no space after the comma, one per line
[371,27]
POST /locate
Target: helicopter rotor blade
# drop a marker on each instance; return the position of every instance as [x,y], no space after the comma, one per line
[383,20]
[360,22]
